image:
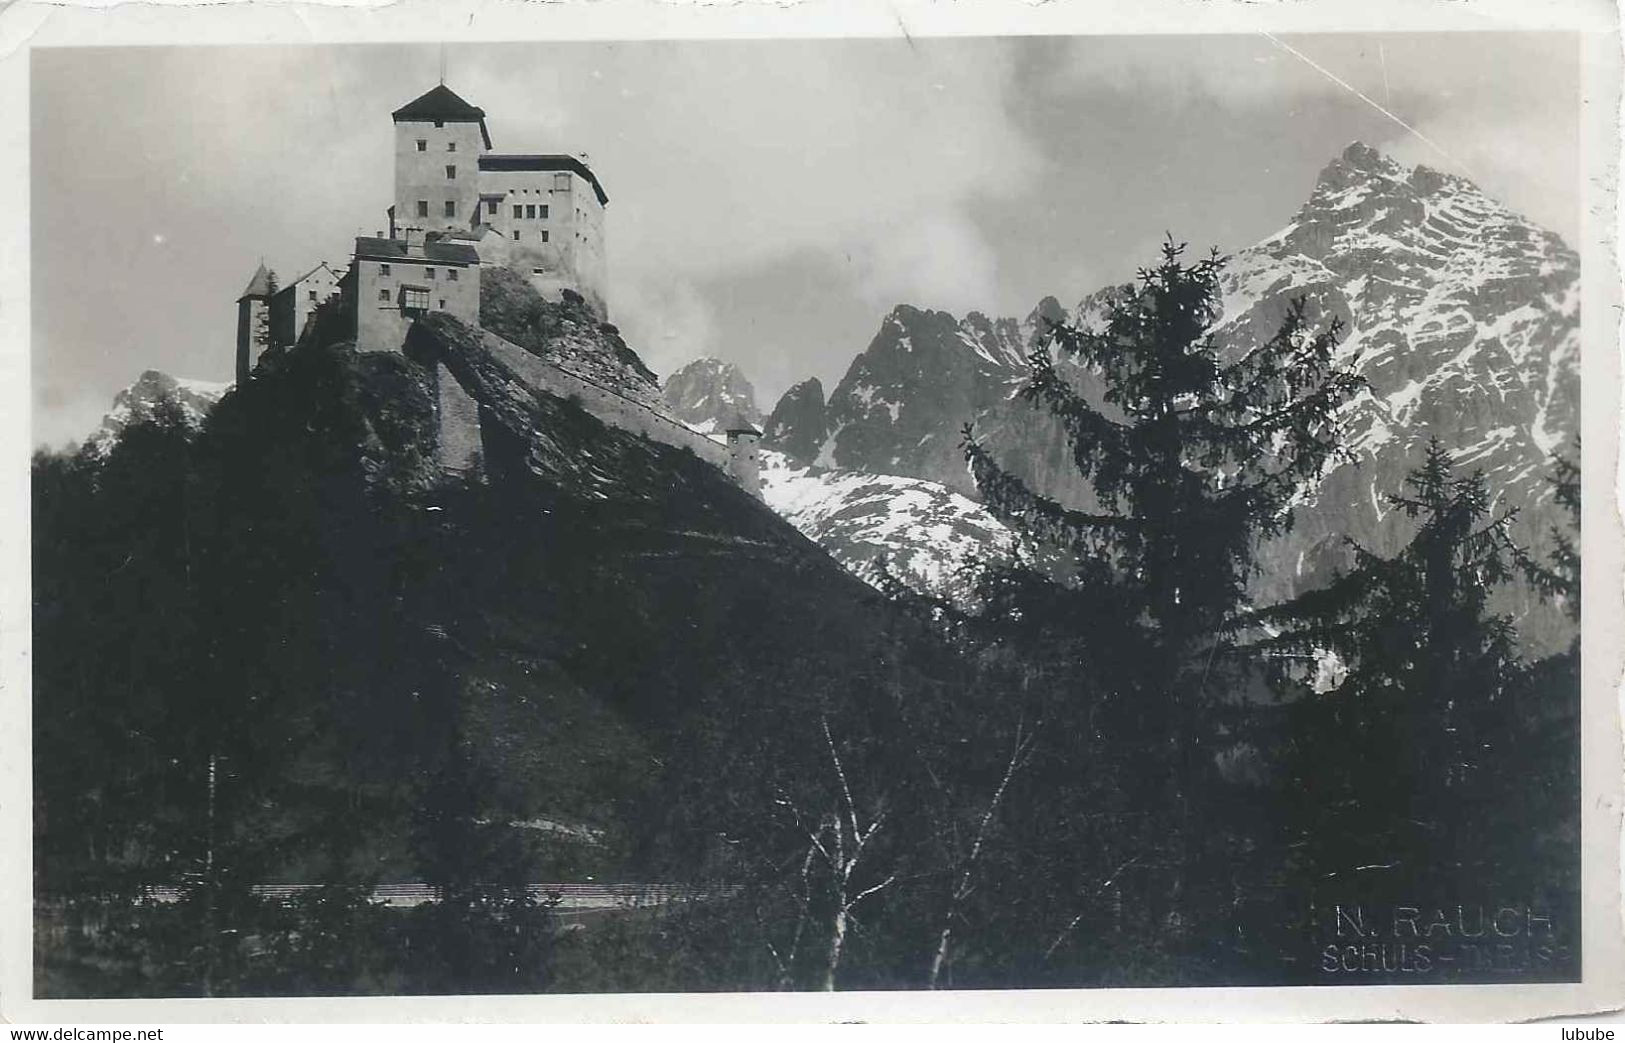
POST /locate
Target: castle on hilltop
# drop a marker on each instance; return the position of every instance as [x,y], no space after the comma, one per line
[459,207]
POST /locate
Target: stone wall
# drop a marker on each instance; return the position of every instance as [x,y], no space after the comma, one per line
[459,443]
[490,370]
[602,402]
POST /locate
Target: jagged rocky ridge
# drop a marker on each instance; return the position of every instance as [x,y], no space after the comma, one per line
[1463,317]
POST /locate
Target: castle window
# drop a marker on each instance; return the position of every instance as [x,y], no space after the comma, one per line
[544,235]
[423,208]
[428,273]
[414,299]
[451,172]
[542,211]
[423,146]
[491,206]
[383,269]
[451,275]
[383,295]
[439,123]
[518,211]
[312,294]
[530,211]
[451,146]
[451,208]
[442,303]
[516,235]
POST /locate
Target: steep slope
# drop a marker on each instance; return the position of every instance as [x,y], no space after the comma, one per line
[1463,316]
[137,402]
[708,392]
[570,619]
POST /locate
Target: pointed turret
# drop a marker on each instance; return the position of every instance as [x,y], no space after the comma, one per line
[254,321]
[261,285]
[744,460]
[738,425]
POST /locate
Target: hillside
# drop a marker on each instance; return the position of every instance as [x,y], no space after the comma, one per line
[567,622]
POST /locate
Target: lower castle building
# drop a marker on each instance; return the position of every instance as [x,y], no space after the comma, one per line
[396,280]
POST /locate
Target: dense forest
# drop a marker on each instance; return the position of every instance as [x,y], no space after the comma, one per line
[283,648]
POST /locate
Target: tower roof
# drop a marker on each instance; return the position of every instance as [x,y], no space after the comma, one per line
[738,425]
[260,285]
[442,103]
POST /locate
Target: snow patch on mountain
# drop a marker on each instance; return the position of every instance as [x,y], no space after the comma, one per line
[140,400]
[927,535]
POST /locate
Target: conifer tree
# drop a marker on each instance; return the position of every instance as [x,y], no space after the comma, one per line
[1561,578]
[1194,450]
[1390,771]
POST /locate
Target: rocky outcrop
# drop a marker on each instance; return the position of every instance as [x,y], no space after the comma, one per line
[708,394]
[798,424]
[567,334]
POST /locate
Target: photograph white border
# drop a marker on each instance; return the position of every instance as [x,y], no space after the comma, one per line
[26,26]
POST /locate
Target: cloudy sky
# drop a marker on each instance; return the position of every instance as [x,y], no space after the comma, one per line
[769,200]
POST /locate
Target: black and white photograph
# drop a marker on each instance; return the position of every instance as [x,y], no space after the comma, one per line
[903,512]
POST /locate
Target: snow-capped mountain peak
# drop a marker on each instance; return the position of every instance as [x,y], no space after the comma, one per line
[1462,316]
[139,401]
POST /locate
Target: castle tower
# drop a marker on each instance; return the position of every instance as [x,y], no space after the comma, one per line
[439,139]
[254,321]
[744,456]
